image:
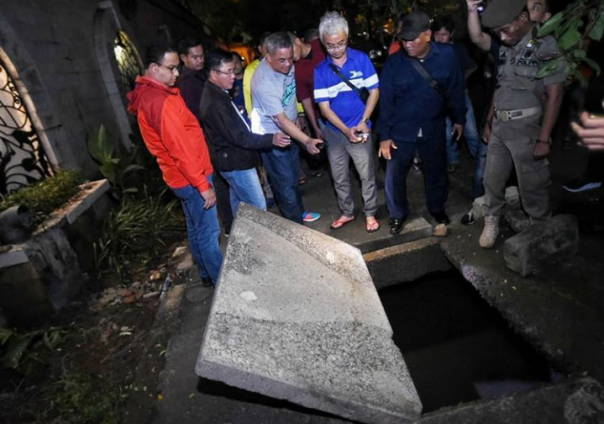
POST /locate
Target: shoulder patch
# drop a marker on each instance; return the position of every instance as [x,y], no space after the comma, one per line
[548,49]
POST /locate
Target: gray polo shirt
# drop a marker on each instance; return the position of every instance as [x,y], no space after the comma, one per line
[272,93]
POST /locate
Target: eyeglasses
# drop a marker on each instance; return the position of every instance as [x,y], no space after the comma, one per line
[230,72]
[169,68]
[339,46]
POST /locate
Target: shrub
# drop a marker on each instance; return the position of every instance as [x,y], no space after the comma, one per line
[137,231]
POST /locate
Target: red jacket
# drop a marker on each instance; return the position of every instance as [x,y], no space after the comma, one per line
[172,134]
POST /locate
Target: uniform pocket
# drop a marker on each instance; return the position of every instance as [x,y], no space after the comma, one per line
[536,175]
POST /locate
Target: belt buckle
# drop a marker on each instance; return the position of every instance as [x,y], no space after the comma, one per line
[503,116]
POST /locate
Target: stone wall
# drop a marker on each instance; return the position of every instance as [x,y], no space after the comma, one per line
[62,54]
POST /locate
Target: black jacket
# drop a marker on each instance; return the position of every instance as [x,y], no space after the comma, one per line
[191,85]
[233,147]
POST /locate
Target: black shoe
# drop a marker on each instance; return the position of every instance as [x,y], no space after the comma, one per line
[441,218]
[468,218]
[396,225]
[207,282]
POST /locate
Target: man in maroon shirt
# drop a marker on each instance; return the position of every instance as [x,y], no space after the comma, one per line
[307,56]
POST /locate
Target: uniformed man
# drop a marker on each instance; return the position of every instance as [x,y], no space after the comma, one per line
[522,114]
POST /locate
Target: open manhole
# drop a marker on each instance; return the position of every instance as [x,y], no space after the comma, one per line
[457,348]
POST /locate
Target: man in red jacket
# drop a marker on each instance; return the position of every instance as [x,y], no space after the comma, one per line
[173,135]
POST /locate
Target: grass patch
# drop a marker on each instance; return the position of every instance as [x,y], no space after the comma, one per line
[81,398]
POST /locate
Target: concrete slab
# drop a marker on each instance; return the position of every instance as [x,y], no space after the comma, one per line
[296,316]
[572,402]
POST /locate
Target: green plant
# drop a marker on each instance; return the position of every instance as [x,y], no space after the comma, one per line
[102,148]
[137,231]
[44,197]
[80,398]
[28,352]
[581,20]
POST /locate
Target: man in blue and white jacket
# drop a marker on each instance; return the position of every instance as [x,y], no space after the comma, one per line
[347,131]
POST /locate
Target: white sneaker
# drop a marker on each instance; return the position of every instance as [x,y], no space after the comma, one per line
[489,232]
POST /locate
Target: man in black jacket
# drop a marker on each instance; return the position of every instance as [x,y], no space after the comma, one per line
[233,146]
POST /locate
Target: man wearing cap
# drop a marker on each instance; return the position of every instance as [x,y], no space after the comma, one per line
[522,114]
[412,115]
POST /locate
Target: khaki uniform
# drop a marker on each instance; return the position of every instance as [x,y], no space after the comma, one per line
[519,101]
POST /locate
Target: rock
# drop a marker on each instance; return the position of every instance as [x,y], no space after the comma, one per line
[124,292]
[151,294]
[186,263]
[440,230]
[296,316]
[129,299]
[542,245]
[179,251]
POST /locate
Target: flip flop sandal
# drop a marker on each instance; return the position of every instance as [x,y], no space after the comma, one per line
[339,223]
[372,227]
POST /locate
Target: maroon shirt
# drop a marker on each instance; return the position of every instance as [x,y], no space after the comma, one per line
[305,71]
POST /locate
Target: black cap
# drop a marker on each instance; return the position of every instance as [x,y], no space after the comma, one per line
[414,24]
[502,12]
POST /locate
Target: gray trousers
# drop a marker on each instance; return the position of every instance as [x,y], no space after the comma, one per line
[339,152]
[511,145]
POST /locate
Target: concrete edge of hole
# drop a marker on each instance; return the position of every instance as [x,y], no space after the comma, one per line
[406,262]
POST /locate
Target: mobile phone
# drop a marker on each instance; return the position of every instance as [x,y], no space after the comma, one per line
[320,146]
[594,106]
[480,7]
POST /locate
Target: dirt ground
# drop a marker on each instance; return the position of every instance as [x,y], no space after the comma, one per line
[105,367]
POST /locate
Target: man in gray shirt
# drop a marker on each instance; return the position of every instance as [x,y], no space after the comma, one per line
[274,110]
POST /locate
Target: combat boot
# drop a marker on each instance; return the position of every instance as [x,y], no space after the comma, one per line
[489,232]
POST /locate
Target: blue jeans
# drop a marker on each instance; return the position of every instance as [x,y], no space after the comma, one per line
[283,170]
[432,152]
[470,133]
[476,147]
[203,231]
[245,187]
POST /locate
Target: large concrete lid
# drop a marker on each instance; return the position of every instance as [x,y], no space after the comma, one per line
[296,316]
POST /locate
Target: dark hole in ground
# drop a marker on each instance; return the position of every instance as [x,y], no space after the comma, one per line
[457,348]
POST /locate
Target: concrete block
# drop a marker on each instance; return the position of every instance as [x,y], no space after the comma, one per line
[296,316]
[512,202]
[542,245]
[478,207]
